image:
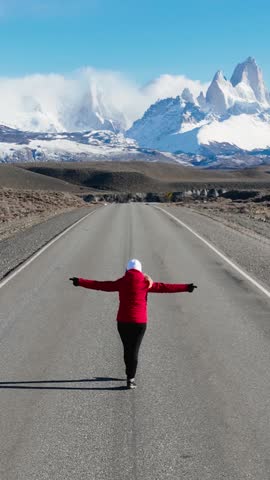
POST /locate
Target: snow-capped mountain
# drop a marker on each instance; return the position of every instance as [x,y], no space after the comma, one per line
[234,114]
[225,124]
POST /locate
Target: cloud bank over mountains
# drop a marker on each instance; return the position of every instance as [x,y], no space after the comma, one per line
[85,99]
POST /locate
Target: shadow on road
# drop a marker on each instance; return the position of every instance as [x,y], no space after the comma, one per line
[32,384]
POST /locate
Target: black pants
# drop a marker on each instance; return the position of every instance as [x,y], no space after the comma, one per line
[131,335]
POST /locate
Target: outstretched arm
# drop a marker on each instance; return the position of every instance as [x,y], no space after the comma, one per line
[171,287]
[96,285]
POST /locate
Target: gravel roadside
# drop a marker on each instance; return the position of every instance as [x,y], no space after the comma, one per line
[15,250]
[245,222]
[250,253]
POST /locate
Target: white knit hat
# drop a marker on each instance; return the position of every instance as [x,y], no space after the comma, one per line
[134,264]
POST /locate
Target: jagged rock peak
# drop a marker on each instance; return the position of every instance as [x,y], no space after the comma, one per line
[219,93]
[242,69]
[187,96]
[163,105]
[250,73]
[201,100]
[219,76]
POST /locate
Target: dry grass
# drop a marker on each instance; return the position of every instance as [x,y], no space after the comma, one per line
[248,217]
[255,211]
[20,209]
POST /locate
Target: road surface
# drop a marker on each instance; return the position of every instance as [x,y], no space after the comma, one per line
[202,407]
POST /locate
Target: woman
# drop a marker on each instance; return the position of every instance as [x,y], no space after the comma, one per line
[133,288]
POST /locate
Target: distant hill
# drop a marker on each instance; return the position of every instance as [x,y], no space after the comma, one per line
[14,177]
[146,177]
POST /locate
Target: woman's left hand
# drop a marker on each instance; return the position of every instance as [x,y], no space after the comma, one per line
[149,280]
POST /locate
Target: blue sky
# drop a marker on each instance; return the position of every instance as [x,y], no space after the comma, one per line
[140,38]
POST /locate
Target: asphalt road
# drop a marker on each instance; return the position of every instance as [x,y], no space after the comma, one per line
[202,407]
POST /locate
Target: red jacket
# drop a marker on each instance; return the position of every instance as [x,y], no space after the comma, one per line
[133,289]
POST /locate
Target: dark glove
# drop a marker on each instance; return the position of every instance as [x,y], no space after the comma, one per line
[191,287]
[75,281]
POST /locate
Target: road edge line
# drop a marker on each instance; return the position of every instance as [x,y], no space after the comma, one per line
[214,249]
[35,255]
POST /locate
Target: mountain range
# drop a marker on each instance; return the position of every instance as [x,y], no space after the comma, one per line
[21,146]
[226,125]
[232,117]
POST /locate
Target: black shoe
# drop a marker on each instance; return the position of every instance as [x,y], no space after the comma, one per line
[131,383]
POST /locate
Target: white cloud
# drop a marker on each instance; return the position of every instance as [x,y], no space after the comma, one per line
[55,102]
[170,85]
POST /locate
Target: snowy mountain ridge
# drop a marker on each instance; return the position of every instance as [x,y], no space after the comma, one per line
[18,146]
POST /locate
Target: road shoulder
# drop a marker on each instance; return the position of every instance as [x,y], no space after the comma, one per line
[18,248]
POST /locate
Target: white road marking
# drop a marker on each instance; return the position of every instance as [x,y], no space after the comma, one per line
[39,252]
[226,259]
